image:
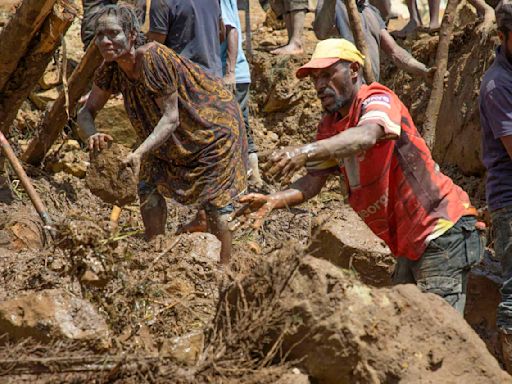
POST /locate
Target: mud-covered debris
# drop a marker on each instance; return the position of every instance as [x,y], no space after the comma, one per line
[348,243]
[109,179]
[23,230]
[52,314]
[91,249]
[340,330]
[185,349]
[294,377]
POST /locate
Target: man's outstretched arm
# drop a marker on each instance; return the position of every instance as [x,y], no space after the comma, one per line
[300,191]
[350,142]
[403,59]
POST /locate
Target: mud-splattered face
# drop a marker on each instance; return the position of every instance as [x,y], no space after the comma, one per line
[111,39]
[334,86]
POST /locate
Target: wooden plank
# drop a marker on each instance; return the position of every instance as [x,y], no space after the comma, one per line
[32,66]
[57,117]
[357,30]
[19,32]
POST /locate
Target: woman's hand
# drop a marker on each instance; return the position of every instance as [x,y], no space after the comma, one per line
[133,161]
[99,141]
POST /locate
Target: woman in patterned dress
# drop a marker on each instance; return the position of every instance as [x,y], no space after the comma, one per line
[191,130]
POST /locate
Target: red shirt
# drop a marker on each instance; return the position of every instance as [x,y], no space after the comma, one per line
[395,186]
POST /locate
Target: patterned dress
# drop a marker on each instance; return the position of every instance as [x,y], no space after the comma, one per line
[205,159]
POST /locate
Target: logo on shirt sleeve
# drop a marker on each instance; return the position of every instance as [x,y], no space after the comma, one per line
[381,99]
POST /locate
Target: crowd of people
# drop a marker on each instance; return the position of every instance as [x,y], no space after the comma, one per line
[186,85]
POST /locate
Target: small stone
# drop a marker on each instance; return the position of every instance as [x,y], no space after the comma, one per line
[186,349]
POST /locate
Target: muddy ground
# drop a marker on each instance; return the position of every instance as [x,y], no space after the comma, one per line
[100,304]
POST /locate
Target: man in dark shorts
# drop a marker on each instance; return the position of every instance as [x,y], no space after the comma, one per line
[332,21]
[191,28]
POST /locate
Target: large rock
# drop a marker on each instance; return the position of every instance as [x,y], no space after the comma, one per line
[342,331]
[109,179]
[348,243]
[52,314]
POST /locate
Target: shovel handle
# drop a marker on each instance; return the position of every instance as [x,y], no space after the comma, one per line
[25,181]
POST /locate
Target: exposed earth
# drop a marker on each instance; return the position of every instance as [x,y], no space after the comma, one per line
[306,299]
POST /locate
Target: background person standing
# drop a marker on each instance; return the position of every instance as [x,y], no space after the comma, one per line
[237,75]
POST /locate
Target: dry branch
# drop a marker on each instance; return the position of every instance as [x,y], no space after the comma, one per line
[92,363]
[31,67]
[57,117]
[19,32]
[441,63]
[357,30]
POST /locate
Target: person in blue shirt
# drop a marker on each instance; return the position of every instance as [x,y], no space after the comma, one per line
[237,76]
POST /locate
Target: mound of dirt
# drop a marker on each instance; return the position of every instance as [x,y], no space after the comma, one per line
[339,330]
[109,179]
[458,126]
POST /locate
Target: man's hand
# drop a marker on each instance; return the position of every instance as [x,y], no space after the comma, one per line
[99,141]
[286,162]
[133,161]
[256,206]
[429,73]
[230,81]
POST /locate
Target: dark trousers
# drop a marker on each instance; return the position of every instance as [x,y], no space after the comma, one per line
[502,230]
[242,97]
[443,268]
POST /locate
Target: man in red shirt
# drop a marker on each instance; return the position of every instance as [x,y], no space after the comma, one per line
[368,136]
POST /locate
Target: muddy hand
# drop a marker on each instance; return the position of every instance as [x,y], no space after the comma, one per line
[133,161]
[99,141]
[256,207]
[286,162]
[230,82]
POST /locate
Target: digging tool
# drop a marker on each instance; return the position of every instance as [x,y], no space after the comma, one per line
[27,185]
[441,64]
[114,215]
[243,5]
[357,30]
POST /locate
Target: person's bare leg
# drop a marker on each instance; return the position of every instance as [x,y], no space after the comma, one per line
[218,226]
[154,214]
[295,25]
[433,9]
[198,224]
[414,20]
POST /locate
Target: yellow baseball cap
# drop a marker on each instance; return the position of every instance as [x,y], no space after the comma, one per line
[328,52]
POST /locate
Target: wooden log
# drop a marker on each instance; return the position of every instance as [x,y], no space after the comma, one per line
[32,66]
[357,30]
[441,63]
[19,32]
[57,117]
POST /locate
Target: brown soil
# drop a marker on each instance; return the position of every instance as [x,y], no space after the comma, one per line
[109,179]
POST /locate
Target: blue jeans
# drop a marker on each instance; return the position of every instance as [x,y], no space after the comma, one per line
[443,268]
[502,230]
